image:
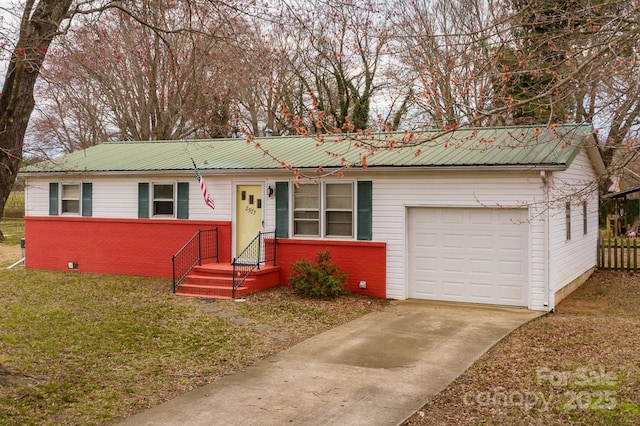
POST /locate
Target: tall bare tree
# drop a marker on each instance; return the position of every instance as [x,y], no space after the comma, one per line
[268,79]
[43,21]
[40,24]
[70,116]
[495,61]
[147,84]
[448,48]
[582,64]
[336,49]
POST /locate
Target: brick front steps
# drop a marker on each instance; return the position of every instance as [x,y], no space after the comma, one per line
[214,280]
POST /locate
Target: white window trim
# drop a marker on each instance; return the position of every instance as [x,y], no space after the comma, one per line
[152,199]
[61,198]
[293,213]
[323,200]
[323,211]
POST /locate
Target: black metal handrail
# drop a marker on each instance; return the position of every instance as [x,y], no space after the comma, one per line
[203,245]
[261,249]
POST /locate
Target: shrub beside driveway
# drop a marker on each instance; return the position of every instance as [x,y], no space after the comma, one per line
[578,366]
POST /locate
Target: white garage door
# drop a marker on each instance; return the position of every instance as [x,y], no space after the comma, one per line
[477,255]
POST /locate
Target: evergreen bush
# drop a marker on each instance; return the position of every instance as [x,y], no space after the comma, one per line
[319,279]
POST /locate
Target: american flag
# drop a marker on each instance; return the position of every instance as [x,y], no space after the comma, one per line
[203,187]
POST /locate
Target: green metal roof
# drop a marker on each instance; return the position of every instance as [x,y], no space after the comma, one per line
[496,147]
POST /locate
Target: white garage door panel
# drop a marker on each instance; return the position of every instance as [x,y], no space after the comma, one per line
[480,242]
[469,255]
[481,267]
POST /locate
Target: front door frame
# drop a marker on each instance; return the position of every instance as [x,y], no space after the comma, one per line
[235,224]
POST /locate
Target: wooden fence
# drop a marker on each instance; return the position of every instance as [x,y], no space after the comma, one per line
[618,254]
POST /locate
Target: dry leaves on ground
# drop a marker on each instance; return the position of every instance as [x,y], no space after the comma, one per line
[574,367]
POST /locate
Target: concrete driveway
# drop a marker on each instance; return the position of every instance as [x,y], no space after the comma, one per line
[376,370]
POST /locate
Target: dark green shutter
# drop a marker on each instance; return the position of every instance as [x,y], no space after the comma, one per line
[143,200]
[282,209]
[183,200]
[364,210]
[53,199]
[87,189]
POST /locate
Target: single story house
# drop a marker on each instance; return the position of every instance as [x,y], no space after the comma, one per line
[505,216]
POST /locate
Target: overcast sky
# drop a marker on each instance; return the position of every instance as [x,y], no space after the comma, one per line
[4,27]
[8,29]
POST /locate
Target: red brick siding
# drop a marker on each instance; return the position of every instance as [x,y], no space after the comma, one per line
[360,260]
[114,246]
[144,247]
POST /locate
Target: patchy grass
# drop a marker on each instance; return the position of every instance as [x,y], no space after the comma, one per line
[13,231]
[578,366]
[14,207]
[80,348]
[10,251]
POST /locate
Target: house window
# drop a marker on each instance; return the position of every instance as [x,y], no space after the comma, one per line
[306,210]
[325,210]
[163,201]
[567,212]
[584,217]
[339,209]
[329,209]
[70,199]
[160,200]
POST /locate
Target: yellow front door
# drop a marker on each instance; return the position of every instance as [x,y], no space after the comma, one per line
[248,214]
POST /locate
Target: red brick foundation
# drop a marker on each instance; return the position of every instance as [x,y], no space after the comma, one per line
[360,260]
[144,247]
[114,246]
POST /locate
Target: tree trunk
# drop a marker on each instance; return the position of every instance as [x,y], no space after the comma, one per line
[40,24]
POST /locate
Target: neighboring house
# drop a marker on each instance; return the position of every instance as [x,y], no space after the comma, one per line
[505,216]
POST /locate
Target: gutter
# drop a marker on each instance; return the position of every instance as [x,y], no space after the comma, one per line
[547,219]
[307,170]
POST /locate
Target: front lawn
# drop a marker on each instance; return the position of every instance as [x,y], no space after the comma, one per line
[79,348]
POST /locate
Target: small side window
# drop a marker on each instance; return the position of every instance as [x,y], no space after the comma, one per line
[70,199]
[567,212]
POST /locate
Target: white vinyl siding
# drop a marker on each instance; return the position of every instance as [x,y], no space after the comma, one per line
[571,258]
[106,190]
[269,209]
[117,197]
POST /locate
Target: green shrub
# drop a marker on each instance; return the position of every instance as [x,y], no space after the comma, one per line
[319,279]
